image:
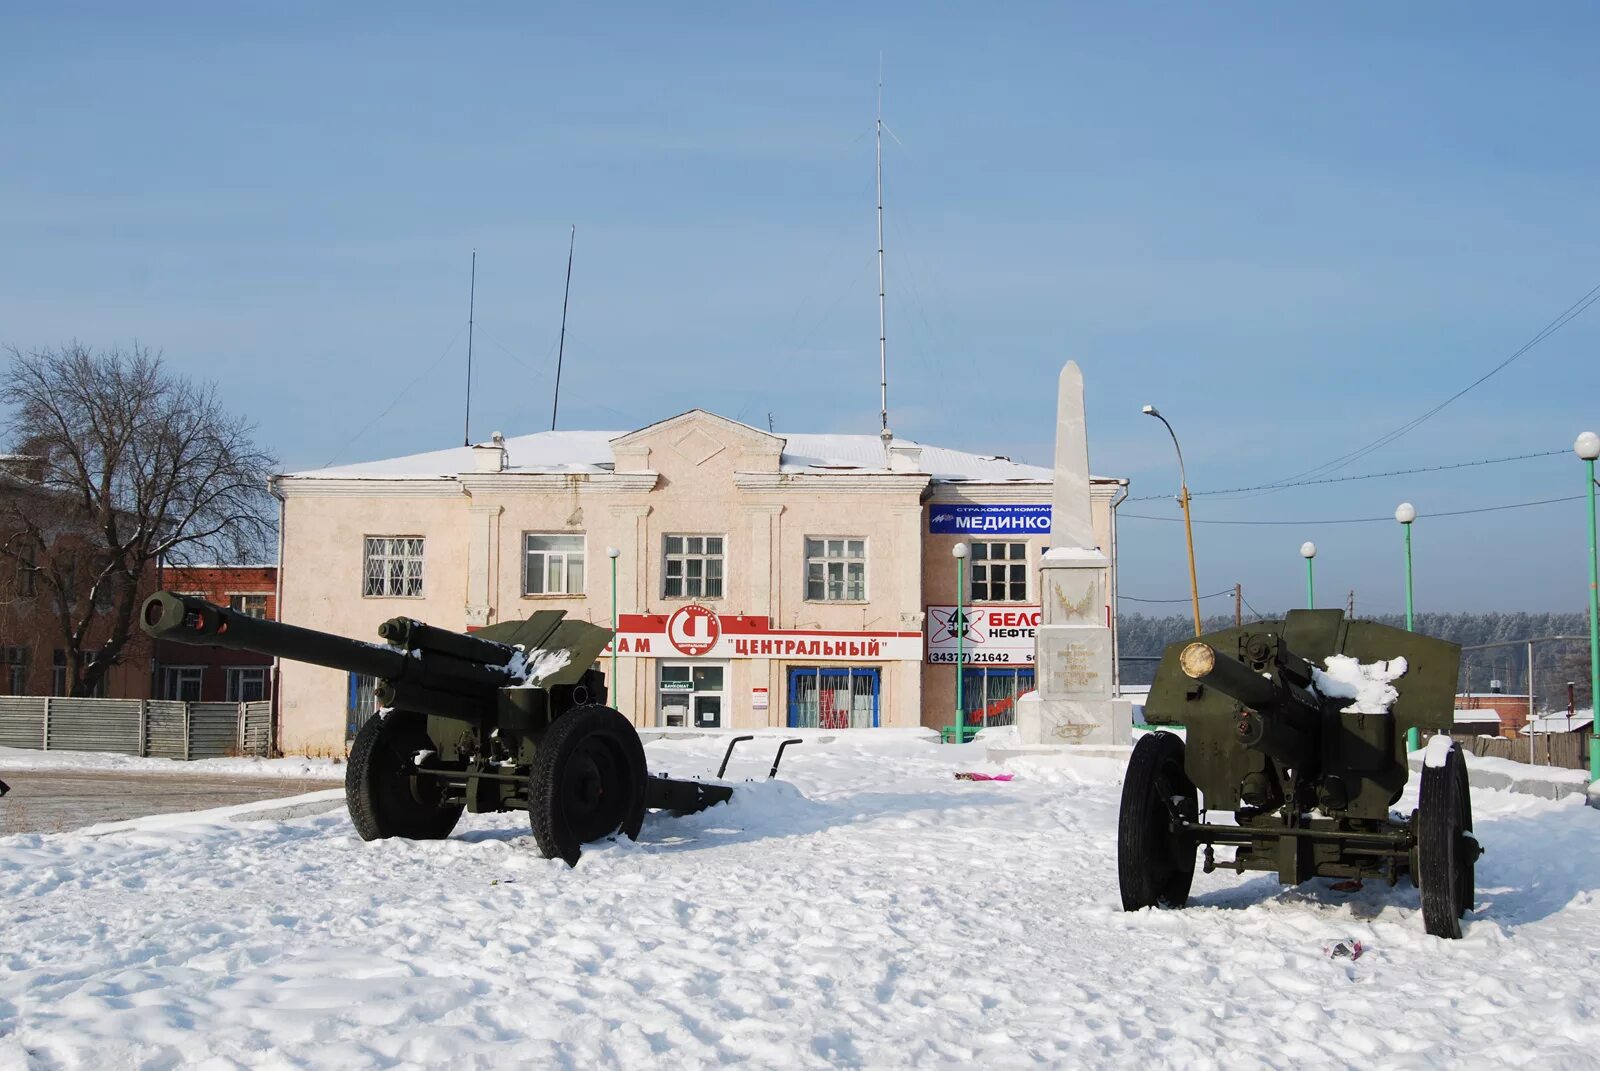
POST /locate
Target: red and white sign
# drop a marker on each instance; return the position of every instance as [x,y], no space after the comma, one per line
[695,631]
[758,699]
[989,635]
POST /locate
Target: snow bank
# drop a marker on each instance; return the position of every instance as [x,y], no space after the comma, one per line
[1369,685]
[868,911]
[292,767]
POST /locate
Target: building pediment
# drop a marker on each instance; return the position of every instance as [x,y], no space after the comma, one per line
[693,439]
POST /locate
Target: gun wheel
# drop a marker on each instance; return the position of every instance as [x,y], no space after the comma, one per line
[1447,853]
[1155,862]
[588,782]
[384,799]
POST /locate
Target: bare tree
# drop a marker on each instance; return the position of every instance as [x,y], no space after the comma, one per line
[120,465]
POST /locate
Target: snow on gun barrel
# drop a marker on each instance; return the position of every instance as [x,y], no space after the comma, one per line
[1297,726]
[511,717]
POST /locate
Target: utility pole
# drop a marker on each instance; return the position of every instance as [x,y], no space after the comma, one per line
[1238,605]
[1350,605]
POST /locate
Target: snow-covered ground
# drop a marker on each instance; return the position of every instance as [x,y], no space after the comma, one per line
[870,910]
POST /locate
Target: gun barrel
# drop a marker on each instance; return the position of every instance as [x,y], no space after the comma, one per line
[1203,662]
[192,620]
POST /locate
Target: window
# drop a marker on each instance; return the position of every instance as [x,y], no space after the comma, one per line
[362,703]
[999,572]
[693,567]
[246,684]
[552,564]
[27,570]
[182,682]
[58,673]
[834,697]
[393,567]
[836,570]
[249,605]
[989,695]
[16,666]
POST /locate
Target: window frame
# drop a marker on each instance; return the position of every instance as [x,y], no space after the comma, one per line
[15,658]
[241,595]
[233,680]
[972,572]
[387,556]
[866,574]
[26,579]
[704,557]
[199,672]
[566,564]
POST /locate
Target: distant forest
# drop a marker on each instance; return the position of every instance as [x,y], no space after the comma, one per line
[1554,663]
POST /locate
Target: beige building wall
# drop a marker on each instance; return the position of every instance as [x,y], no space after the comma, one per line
[696,474]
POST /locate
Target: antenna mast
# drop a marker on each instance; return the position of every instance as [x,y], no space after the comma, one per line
[561,347]
[472,300]
[883,347]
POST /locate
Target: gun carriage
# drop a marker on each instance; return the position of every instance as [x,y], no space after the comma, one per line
[511,717]
[1309,776]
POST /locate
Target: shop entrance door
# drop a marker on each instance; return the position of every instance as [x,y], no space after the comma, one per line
[691,695]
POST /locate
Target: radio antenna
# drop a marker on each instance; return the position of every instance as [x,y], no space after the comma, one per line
[472,300]
[561,347]
[883,346]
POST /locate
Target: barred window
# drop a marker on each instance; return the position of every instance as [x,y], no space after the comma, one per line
[247,684]
[249,605]
[693,567]
[999,572]
[836,569]
[552,564]
[393,566]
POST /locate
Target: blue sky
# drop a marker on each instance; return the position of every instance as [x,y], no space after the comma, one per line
[1291,227]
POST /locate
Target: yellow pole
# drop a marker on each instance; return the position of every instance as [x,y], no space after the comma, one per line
[1194,583]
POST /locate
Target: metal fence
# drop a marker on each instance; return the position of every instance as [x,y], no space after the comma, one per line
[155,728]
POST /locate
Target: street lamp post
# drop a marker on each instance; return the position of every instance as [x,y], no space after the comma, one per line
[1588,448]
[1188,525]
[613,553]
[959,552]
[1308,551]
[1405,513]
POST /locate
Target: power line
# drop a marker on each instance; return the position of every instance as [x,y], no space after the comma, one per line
[1363,476]
[1214,594]
[1369,520]
[1570,313]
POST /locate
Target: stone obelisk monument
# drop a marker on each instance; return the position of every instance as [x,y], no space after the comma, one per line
[1072,704]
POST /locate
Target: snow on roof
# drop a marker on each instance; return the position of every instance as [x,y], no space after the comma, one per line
[1477,717]
[563,452]
[1560,723]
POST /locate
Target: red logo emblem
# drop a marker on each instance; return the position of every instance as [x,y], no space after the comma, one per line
[693,630]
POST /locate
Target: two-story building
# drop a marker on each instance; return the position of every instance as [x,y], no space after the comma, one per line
[755,579]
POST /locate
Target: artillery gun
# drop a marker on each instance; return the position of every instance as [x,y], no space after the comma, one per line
[511,717]
[1309,776]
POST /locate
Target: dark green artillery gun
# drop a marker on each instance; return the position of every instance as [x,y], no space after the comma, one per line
[511,717]
[1308,768]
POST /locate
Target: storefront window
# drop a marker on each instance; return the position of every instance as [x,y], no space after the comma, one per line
[989,696]
[829,697]
[692,695]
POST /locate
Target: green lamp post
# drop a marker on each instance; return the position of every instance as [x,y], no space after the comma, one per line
[1405,513]
[1308,551]
[960,552]
[1588,448]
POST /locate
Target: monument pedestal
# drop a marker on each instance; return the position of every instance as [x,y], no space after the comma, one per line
[1072,710]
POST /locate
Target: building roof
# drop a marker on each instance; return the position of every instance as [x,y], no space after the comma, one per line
[1560,723]
[1477,717]
[573,452]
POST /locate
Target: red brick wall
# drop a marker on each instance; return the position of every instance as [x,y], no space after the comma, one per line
[218,584]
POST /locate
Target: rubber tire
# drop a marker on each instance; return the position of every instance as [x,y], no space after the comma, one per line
[1155,867]
[1446,861]
[573,738]
[378,792]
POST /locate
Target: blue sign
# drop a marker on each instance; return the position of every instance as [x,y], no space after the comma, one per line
[987,520]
